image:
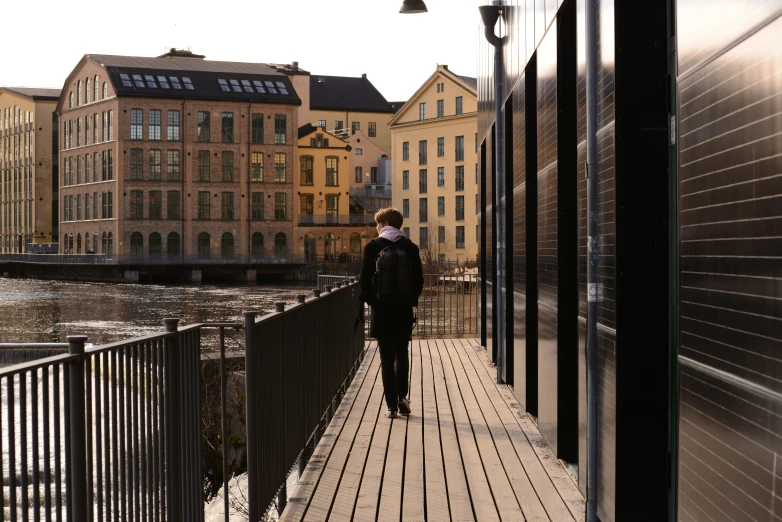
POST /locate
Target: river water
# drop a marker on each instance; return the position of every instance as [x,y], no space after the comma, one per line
[33,311]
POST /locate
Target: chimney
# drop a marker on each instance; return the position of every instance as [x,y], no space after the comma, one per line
[364,76]
[295,66]
[445,67]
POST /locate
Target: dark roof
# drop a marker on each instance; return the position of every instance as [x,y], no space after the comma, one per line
[182,64]
[306,129]
[343,93]
[396,105]
[472,82]
[35,93]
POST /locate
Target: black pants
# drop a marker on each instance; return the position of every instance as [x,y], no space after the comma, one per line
[394,350]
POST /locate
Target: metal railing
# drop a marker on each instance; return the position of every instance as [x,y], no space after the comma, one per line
[299,363]
[337,219]
[147,259]
[382,192]
[448,304]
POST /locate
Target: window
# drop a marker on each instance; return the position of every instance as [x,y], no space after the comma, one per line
[406,208]
[440,147]
[188,84]
[154,124]
[406,230]
[476,142]
[459,106]
[477,205]
[95,128]
[136,124]
[203,205]
[227,244]
[155,246]
[136,204]
[87,210]
[109,159]
[106,95]
[459,148]
[95,86]
[422,181]
[423,211]
[203,245]
[95,206]
[70,100]
[257,244]
[359,152]
[354,126]
[163,81]
[307,208]
[227,119]
[280,206]
[78,207]
[257,206]
[136,164]
[279,167]
[422,111]
[338,124]
[332,208]
[105,127]
[173,245]
[87,92]
[280,243]
[257,129]
[373,174]
[332,174]
[78,91]
[322,124]
[440,176]
[440,205]
[228,165]
[460,177]
[173,205]
[257,166]
[440,87]
[405,151]
[155,204]
[372,131]
[405,179]
[173,165]
[228,206]
[110,208]
[355,243]
[358,175]
[460,237]
[440,108]
[78,171]
[203,127]
[172,132]
[280,129]
[422,152]
[476,173]
[136,244]
[423,241]
[306,171]
[204,166]
[459,208]
[155,164]
[441,235]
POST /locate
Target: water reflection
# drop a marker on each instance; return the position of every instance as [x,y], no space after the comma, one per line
[48,311]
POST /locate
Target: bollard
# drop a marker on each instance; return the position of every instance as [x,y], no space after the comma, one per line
[279,307]
[78,450]
[338,284]
[301,299]
[316,292]
[327,289]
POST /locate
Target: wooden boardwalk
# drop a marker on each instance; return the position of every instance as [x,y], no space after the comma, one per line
[467,452]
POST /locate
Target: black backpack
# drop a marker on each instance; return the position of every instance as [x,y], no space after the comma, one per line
[392,279]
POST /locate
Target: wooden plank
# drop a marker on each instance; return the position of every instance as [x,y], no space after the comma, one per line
[391,492]
[302,494]
[460,498]
[414,497]
[345,499]
[435,480]
[552,483]
[525,494]
[480,491]
[504,496]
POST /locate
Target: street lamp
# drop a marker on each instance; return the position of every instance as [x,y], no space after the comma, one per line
[413,7]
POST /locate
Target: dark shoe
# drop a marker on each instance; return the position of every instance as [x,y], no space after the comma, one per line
[404,406]
[391,414]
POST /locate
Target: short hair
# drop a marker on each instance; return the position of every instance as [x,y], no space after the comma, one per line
[390,216]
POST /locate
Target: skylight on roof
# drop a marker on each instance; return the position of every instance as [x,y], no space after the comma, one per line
[175,82]
[235,85]
[163,81]
[137,79]
[125,80]
[150,81]
[223,85]
[270,86]
[247,86]
[188,83]
[282,88]
[259,87]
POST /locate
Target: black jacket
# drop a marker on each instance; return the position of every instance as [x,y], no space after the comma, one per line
[390,320]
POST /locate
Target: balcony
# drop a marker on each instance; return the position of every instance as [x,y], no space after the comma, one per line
[336,220]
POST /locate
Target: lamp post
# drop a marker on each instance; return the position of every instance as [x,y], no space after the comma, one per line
[413,7]
[489,15]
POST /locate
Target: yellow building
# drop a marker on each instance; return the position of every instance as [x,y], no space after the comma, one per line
[435,164]
[370,181]
[342,105]
[325,229]
[28,165]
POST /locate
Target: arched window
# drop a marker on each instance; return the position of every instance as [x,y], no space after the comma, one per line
[96,86]
[155,246]
[203,244]
[309,246]
[105,91]
[173,245]
[78,243]
[257,244]
[110,250]
[70,244]
[86,243]
[329,245]
[78,93]
[105,244]
[227,245]
[70,100]
[95,243]
[136,244]
[87,90]
[355,243]
[280,243]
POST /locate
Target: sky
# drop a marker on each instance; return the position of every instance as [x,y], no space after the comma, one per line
[339,38]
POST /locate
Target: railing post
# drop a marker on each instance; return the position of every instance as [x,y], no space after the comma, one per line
[279,307]
[172,419]
[78,449]
[316,292]
[301,299]
[252,418]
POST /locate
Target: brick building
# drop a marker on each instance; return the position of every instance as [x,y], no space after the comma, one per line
[28,166]
[176,155]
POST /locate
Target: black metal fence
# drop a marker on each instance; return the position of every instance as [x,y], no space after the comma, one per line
[299,362]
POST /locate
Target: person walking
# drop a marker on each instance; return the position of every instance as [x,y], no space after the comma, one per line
[391,281]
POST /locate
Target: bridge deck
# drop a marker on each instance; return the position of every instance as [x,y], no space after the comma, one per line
[467,452]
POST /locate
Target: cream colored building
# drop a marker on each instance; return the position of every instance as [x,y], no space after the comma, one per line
[370,180]
[435,161]
[28,166]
